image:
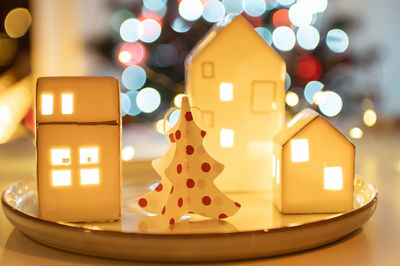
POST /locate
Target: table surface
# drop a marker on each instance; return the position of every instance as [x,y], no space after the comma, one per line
[376,243]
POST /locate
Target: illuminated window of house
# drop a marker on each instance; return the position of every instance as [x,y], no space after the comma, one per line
[47,104]
[207,69]
[90,176]
[226,92]
[89,155]
[61,177]
[300,151]
[333,178]
[226,138]
[60,157]
[67,104]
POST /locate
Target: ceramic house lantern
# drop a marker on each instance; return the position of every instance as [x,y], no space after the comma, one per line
[238,81]
[313,167]
[78,136]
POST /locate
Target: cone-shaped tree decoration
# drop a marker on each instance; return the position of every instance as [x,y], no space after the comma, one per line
[187,176]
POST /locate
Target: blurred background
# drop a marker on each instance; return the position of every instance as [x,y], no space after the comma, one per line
[342,57]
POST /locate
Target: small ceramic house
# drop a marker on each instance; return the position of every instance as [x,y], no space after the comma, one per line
[78,136]
[238,81]
[313,167]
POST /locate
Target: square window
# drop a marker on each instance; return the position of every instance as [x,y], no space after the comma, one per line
[226,92]
[60,157]
[67,101]
[90,176]
[226,138]
[299,150]
[47,104]
[61,178]
[207,69]
[333,178]
[89,155]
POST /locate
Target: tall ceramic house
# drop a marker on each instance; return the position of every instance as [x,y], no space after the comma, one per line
[238,81]
[78,136]
[313,167]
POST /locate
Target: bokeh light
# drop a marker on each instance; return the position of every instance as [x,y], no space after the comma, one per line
[213,11]
[281,18]
[299,16]
[8,48]
[165,55]
[17,22]
[148,100]
[307,37]
[337,40]
[356,133]
[233,7]
[160,126]
[134,109]
[288,81]
[133,77]
[180,26]
[149,30]
[129,30]
[190,10]
[155,5]
[311,88]
[332,105]
[125,104]
[283,38]
[369,117]
[128,153]
[265,34]
[178,99]
[174,117]
[308,67]
[319,97]
[118,17]
[292,99]
[314,6]
[285,2]
[254,8]
[131,53]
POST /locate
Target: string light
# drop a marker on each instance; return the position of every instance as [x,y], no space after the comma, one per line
[128,153]
[356,133]
[369,117]
[292,99]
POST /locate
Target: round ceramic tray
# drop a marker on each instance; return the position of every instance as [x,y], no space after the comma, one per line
[257,230]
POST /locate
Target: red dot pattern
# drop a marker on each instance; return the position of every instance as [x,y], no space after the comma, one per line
[206,200]
[178,134]
[171,137]
[142,202]
[179,168]
[163,211]
[172,221]
[190,183]
[172,190]
[189,149]
[180,202]
[203,133]
[188,116]
[205,167]
[238,204]
[222,216]
[159,187]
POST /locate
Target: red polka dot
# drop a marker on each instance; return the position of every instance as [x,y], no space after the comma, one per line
[222,216]
[238,204]
[142,202]
[178,134]
[179,168]
[188,116]
[163,211]
[206,200]
[190,212]
[189,149]
[205,167]
[180,202]
[172,189]
[190,183]
[159,187]
[203,133]
[172,221]
[171,137]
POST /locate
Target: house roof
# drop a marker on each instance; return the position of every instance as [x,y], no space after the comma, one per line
[227,23]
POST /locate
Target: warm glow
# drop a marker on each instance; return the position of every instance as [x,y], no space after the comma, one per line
[61,177]
[295,119]
[17,22]
[292,99]
[226,92]
[178,99]
[128,153]
[124,57]
[273,165]
[226,138]
[319,97]
[356,133]
[333,178]
[60,157]
[67,101]
[369,117]
[89,155]
[299,150]
[89,176]
[160,126]
[47,104]
[278,172]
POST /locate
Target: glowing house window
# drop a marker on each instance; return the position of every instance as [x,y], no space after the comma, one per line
[60,157]
[299,150]
[90,176]
[67,101]
[61,178]
[89,155]
[47,104]
[226,92]
[226,138]
[333,178]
